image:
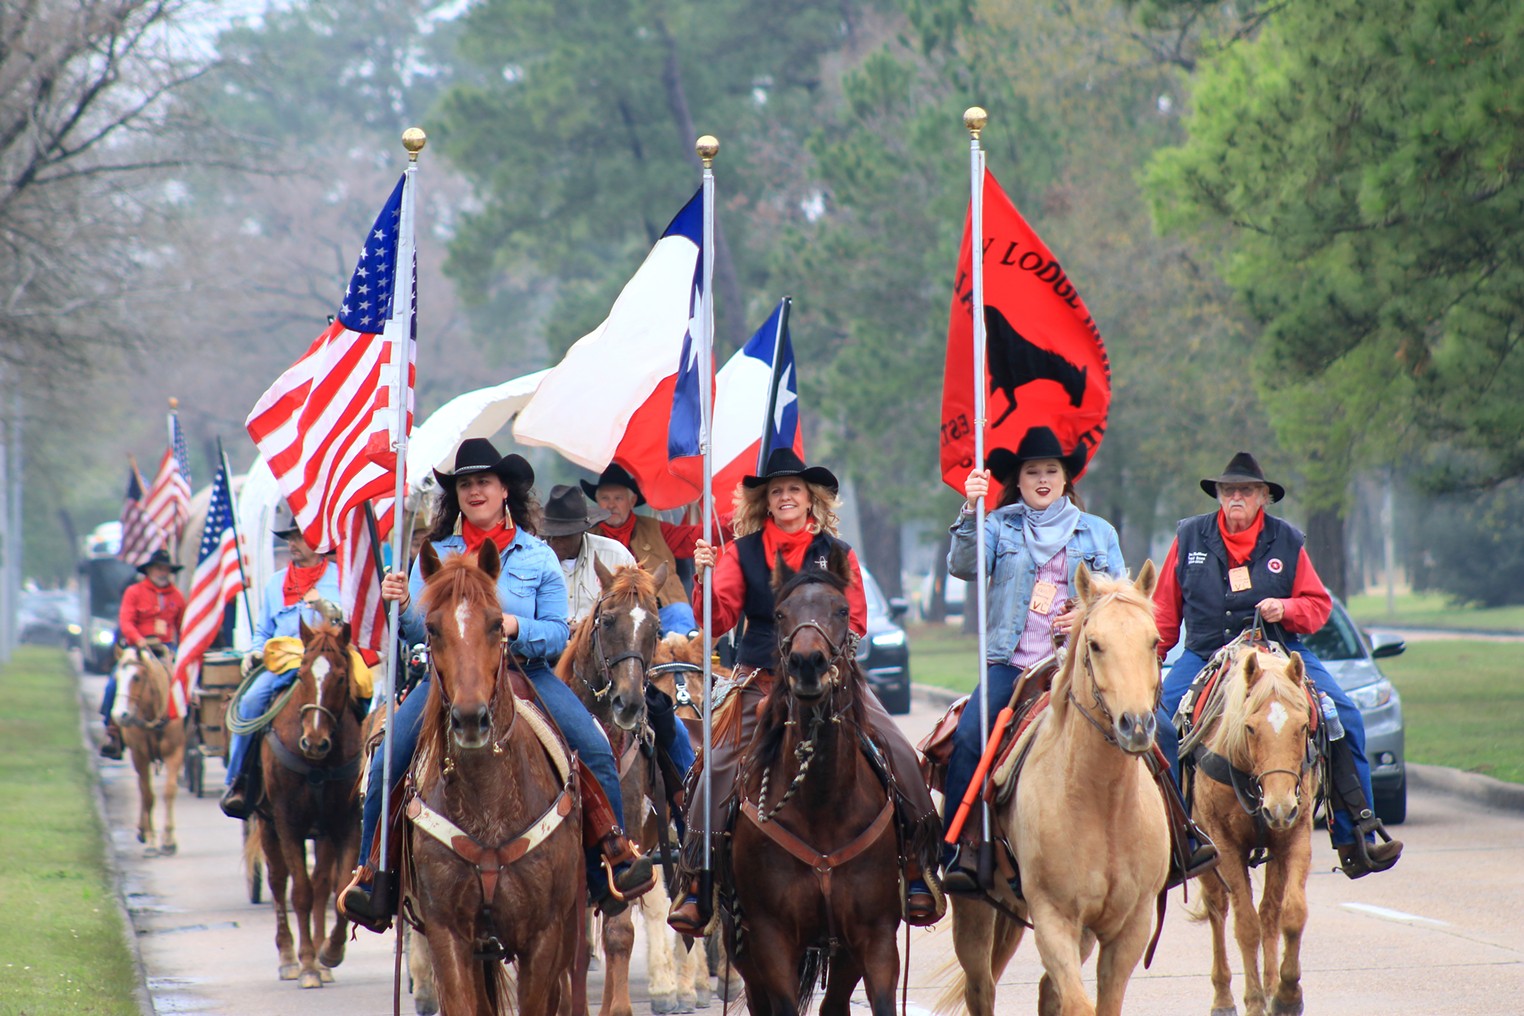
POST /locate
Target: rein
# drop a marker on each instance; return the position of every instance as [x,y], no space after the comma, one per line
[447,767]
[1095,688]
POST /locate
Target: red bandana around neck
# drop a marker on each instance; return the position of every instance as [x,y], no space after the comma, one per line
[624,534]
[793,545]
[501,535]
[300,581]
[1240,545]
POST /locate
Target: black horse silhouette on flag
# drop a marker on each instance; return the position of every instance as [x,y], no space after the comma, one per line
[1015,361]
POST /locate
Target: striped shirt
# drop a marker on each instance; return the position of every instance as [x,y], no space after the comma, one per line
[1036,640]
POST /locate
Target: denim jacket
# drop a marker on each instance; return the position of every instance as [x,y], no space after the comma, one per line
[1013,573]
[531,587]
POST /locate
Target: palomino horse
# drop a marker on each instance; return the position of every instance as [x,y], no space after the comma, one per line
[1086,820]
[1258,796]
[816,838]
[605,663]
[311,763]
[152,737]
[496,870]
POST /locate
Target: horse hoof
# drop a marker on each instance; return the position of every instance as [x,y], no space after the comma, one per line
[731,988]
[664,1004]
[289,971]
[151,852]
[325,974]
[423,1008]
[168,850]
[310,979]
[1286,1008]
[141,837]
[701,995]
[1227,1010]
[328,959]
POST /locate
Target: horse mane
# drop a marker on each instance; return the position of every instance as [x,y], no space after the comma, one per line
[158,681]
[631,583]
[458,579]
[1241,700]
[1106,590]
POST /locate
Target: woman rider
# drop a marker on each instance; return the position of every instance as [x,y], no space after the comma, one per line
[790,509]
[491,498]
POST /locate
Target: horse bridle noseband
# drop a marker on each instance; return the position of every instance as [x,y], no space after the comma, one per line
[1095,688]
[606,666]
[840,654]
[498,680]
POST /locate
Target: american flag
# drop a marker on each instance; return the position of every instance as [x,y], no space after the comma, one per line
[359,583]
[168,501]
[215,582]
[140,537]
[326,426]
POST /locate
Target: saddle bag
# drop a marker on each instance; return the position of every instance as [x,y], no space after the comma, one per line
[937,747]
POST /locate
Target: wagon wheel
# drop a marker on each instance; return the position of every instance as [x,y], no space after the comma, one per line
[193,770]
[254,875]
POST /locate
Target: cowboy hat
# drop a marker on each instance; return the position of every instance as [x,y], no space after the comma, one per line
[476,455]
[614,476]
[1037,443]
[1243,469]
[783,462]
[159,557]
[284,524]
[568,512]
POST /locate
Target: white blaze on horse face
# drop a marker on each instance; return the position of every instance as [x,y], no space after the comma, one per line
[638,616]
[320,670]
[1277,716]
[462,617]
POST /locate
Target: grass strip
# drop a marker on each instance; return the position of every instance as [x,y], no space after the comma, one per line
[1431,610]
[1464,705]
[62,945]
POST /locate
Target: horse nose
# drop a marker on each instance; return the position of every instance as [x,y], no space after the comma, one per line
[1135,731]
[469,721]
[311,747]
[626,713]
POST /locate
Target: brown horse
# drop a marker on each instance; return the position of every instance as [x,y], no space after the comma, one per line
[496,870]
[816,838]
[310,759]
[152,737]
[605,663]
[1261,747]
[1086,820]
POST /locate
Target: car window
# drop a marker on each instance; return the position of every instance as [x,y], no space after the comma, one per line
[875,596]
[1336,640]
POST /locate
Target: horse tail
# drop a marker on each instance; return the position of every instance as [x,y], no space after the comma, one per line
[253,845]
[813,968]
[499,989]
[951,999]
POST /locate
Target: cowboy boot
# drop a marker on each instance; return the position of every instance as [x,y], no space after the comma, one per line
[234,802]
[924,906]
[1360,858]
[112,747]
[1364,856]
[1191,851]
[960,875]
[370,899]
[626,874]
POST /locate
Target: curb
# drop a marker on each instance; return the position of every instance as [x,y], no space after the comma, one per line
[1475,787]
[934,696]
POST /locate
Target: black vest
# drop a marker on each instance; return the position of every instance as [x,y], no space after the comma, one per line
[1214,615]
[759,643]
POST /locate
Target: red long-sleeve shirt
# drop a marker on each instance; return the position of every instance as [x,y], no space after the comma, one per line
[149,612]
[730,594]
[1307,608]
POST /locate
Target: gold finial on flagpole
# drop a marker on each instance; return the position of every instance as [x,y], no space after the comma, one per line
[707,148]
[413,139]
[174,403]
[974,118]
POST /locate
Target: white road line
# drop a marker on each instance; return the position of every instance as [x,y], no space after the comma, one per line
[1387,914]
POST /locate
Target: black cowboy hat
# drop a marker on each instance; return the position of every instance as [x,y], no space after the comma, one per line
[615,476]
[476,455]
[1037,443]
[159,557]
[284,526]
[783,462]
[568,512]
[1243,469]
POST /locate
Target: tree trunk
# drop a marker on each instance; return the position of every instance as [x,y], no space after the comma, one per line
[1327,548]
[935,608]
[880,549]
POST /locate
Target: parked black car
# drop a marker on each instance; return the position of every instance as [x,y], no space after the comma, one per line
[885,653]
[49,617]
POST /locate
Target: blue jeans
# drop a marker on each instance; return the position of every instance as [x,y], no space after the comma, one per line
[1178,681]
[577,726]
[108,699]
[678,617]
[254,702]
[1001,679]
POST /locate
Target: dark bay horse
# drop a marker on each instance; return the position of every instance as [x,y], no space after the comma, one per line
[816,838]
[151,737]
[605,663]
[496,870]
[311,764]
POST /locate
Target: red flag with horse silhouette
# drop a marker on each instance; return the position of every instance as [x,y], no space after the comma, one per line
[1045,363]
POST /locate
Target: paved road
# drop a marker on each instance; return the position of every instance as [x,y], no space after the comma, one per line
[1441,933]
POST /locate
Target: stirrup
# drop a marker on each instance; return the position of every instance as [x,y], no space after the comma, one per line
[369,908]
[961,876]
[688,915]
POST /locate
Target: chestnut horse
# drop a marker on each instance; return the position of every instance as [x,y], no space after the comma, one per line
[816,838]
[310,759]
[1261,746]
[605,663]
[151,737]
[1086,820]
[496,869]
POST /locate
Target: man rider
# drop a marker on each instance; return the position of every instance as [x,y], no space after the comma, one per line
[149,618]
[1222,568]
[651,540]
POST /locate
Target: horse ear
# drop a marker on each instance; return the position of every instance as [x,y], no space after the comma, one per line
[344,633]
[1084,589]
[781,572]
[1296,669]
[1148,577]
[1252,669]
[839,564]
[428,560]
[303,629]
[489,560]
[605,577]
[661,574]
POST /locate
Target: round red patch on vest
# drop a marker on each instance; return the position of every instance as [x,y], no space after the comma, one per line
[1275,565]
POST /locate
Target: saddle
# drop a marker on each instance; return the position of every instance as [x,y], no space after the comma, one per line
[937,747]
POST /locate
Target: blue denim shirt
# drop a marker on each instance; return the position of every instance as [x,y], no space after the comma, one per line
[530,587]
[275,618]
[1013,573]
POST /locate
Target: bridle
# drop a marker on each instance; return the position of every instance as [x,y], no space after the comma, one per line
[1083,646]
[499,679]
[318,707]
[604,666]
[840,653]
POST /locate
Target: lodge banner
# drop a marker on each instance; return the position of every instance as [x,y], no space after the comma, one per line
[1046,365]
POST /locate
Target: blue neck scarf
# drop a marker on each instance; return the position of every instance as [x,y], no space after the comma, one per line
[1048,531]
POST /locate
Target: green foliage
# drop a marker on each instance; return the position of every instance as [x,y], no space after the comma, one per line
[1365,161]
[1473,547]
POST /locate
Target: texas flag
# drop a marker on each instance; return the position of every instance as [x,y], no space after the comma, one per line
[610,397]
[756,406]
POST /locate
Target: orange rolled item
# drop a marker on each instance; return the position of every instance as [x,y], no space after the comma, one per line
[971,795]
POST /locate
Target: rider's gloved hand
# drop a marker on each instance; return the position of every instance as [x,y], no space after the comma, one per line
[251,662]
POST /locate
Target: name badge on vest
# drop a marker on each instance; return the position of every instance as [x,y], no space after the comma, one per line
[1238,579]
[159,627]
[1042,597]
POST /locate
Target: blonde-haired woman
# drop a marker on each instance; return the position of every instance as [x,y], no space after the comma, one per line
[789,510]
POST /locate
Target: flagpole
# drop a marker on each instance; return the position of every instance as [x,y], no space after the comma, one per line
[974,118]
[237,540]
[707,148]
[784,306]
[413,140]
[172,535]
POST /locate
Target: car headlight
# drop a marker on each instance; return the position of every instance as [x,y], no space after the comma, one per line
[1372,696]
[889,639]
[105,638]
[75,629]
